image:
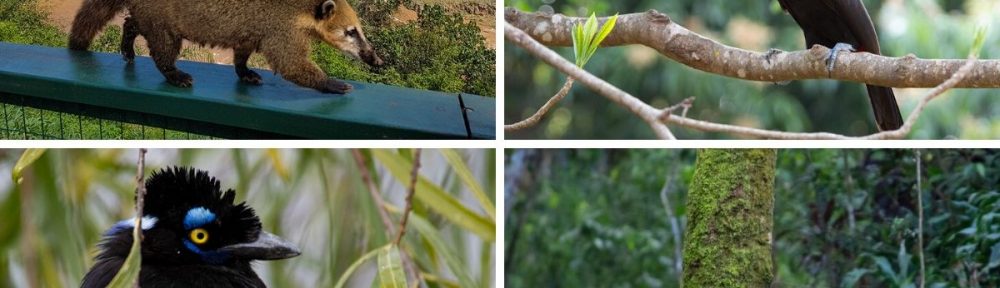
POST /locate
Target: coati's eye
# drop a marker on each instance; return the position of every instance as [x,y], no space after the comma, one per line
[199,236]
[352,31]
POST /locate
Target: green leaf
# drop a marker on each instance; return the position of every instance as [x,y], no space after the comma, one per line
[851,279]
[431,234]
[605,31]
[458,166]
[578,44]
[390,268]
[356,264]
[886,268]
[27,158]
[980,38]
[435,197]
[128,275]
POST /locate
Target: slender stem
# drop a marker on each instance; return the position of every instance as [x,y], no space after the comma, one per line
[920,221]
[675,228]
[140,196]
[140,189]
[379,203]
[414,174]
[537,117]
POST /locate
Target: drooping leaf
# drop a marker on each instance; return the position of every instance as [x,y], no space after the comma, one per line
[436,198]
[459,167]
[390,268]
[356,264]
[27,158]
[455,264]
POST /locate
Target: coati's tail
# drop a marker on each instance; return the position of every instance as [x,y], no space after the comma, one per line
[90,19]
[887,114]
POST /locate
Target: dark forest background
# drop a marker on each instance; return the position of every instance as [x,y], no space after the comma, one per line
[842,218]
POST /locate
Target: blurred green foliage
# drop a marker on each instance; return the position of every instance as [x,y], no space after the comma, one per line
[843,218]
[926,28]
[52,221]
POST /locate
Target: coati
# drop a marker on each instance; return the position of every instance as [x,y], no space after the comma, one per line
[282,30]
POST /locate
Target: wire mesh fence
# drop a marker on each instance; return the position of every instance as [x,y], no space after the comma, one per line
[31,118]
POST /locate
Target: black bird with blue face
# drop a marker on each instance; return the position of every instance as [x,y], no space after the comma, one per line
[193,236]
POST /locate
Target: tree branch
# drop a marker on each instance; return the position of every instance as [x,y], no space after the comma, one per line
[656,117]
[657,31]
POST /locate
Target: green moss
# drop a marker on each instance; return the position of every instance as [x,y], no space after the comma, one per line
[728,237]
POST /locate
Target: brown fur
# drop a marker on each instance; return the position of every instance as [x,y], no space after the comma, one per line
[282,30]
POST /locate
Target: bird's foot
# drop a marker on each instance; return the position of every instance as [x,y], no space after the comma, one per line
[830,60]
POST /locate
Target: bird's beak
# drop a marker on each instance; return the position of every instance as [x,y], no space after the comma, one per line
[267,247]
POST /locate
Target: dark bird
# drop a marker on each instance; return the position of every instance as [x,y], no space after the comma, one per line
[193,236]
[833,22]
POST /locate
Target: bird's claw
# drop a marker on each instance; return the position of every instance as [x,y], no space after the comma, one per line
[832,58]
[770,53]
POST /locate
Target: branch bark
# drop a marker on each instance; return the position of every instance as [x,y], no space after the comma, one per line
[657,31]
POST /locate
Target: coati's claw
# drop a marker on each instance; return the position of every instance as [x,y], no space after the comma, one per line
[251,77]
[179,78]
[337,87]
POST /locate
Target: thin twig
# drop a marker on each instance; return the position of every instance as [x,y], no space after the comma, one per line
[920,222]
[537,117]
[386,221]
[408,264]
[140,196]
[414,174]
[674,225]
[140,189]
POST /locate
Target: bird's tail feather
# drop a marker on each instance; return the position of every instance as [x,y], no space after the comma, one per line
[886,110]
[91,18]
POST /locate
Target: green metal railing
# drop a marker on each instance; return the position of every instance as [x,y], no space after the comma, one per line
[56,93]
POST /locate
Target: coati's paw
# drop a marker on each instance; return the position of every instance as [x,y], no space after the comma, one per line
[336,86]
[128,56]
[179,78]
[251,77]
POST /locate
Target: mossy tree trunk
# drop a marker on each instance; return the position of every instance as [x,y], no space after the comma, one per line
[730,210]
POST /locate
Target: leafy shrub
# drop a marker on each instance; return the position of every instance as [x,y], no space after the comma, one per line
[440,52]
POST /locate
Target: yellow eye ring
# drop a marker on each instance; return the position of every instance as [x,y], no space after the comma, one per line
[199,236]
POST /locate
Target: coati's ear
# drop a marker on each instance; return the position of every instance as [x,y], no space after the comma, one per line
[325,9]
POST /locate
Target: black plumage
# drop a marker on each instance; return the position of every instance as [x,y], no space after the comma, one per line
[828,22]
[193,236]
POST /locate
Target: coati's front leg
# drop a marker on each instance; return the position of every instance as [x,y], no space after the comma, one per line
[291,60]
[240,58]
[130,30]
[164,48]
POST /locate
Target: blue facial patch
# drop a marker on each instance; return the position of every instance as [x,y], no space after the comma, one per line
[127,224]
[211,257]
[197,217]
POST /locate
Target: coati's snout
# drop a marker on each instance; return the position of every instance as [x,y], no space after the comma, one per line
[341,28]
